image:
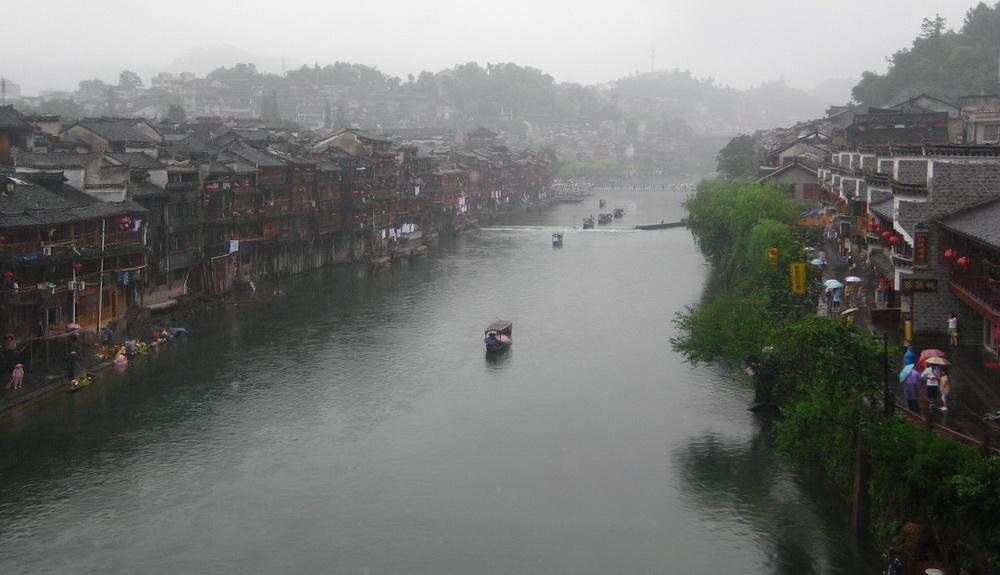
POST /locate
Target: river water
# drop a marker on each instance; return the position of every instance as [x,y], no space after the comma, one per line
[349,424]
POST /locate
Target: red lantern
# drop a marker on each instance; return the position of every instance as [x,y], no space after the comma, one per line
[887,234]
[78,266]
[992,281]
[895,239]
[950,254]
[8,275]
[10,336]
[260,212]
[962,262]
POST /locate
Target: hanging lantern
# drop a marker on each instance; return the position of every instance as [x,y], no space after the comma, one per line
[8,275]
[895,240]
[962,262]
[887,234]
[260,212]
[950,254]
[10,336]
[78,266]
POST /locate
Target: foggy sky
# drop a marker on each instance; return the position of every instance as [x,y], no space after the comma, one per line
[54,44]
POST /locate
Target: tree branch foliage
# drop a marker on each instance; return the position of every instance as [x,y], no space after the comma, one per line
[942,62]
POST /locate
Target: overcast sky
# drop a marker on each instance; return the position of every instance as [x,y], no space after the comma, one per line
[53,44]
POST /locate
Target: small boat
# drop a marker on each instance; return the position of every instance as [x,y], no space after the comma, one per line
[418,252]
[431,239]
[588,222]
[400,254]
[379,264]
[498,335]
[605,218]
[602,203]
[618,212]
[557,240]
[660,226]
[81,382]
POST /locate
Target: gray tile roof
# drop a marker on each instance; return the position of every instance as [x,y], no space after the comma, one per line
[32,205]
[979,222]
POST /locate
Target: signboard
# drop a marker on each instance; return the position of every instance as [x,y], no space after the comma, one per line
[920,241]
[918,285]
[799,283]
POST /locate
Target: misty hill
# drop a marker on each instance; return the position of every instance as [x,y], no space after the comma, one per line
[944,63]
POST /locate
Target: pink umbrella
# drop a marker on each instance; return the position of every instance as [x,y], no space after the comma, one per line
[932,353]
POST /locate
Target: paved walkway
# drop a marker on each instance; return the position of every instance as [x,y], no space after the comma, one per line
[975,386]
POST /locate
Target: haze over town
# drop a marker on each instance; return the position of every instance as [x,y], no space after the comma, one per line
[739,44]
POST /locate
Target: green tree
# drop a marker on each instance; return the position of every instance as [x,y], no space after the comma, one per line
[269,108]
[739,159]
[92,86]
[129,80]
[176,113]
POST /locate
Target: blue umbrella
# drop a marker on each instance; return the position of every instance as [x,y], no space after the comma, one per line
[906,371]
[818,262]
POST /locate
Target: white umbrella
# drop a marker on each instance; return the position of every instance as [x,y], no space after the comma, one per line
[832,283]
[853,279]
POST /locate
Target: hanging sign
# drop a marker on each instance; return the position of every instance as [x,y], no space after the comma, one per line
[799,281]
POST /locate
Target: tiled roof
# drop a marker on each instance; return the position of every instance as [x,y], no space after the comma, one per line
[137,160]
[977,222]
[32,205]
[11,119]
[116,130]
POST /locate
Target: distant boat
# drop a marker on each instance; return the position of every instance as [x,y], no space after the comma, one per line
[379,264]
[605,218]
[498,335]
[557,240]
[619,212]
[418,252]
[588,222]
[660,226]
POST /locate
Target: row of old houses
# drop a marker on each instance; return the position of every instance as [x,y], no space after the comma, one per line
[913,192]
[108,220]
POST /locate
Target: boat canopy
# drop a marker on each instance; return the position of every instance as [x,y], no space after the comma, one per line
[500,326]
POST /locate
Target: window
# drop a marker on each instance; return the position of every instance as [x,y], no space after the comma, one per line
[991,132]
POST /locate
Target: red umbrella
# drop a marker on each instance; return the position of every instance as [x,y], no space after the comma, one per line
[932,353]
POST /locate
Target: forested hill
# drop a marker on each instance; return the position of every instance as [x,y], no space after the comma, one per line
[942,62]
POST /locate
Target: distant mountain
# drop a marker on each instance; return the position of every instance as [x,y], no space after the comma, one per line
[834,91]
[202,61]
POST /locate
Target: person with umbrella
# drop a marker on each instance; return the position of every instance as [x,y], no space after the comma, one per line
[932,383]
[910,378]
[941,382]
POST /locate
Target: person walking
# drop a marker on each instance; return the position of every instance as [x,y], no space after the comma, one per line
[16,376]
[838,296]
[996,341]
[931,385]
[952,330]
[944,386]
[71,365]
[910,357]
[910,376]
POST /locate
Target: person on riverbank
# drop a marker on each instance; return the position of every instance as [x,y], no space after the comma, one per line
[910,357]
[952,330]
[17,376]
[71,365]
[931,384]
[944,386]
[996,341]
[910,377]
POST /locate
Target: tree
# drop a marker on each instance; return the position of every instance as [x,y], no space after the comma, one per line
[269,108]
[739,158]
[176,114]
[129,80]
[93,86]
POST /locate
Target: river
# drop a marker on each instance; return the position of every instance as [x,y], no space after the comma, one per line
[351,424]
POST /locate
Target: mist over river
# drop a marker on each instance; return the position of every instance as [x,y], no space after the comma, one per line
[354,424]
